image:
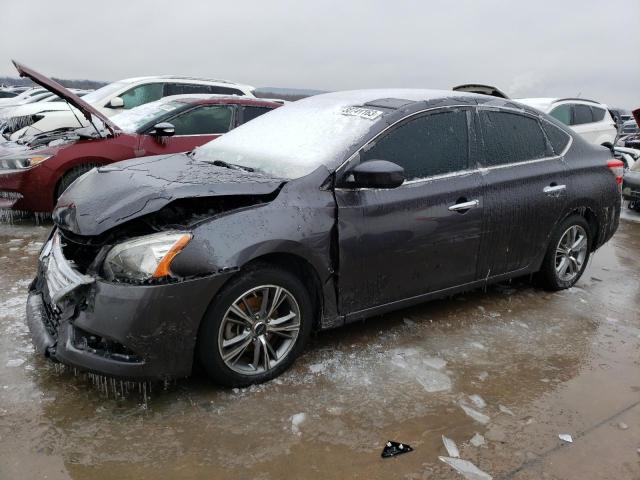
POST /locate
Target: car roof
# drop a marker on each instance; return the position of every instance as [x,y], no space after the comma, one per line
[181,77]
[545,103]
[205,99]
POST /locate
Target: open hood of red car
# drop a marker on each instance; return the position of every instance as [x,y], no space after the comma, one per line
[636,115]
[54,87]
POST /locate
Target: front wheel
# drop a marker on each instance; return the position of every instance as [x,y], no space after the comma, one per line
[567,254]
[255,328]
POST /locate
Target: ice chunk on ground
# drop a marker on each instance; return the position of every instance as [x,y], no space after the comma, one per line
[565,437]
[476,415]
[478,345]
[317,368]
[452,448]
[296,421]
[478,401]
[467,469]
[504,409]
[433,381]
[15,362]
[434,362]
[477,440]
[482,376]
[408,322]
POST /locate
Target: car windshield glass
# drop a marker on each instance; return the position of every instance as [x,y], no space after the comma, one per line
[294,140]
[136,118]
[102,93]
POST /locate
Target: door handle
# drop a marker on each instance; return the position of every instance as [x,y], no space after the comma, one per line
[554,189]
[464,206]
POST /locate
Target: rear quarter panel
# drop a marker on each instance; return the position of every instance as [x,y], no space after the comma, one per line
[591,185]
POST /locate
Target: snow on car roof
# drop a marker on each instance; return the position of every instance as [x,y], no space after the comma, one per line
[294,140]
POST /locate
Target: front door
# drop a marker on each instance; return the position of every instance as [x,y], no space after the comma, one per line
[420,237]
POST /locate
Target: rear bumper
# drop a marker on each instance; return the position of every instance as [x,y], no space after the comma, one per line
[135,332]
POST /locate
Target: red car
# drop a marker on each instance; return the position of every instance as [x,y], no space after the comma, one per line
[33,177]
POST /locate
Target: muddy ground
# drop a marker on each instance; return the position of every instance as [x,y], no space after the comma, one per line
[544,363]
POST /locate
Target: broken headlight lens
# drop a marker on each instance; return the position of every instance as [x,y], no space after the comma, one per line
[26,161]
[144,258]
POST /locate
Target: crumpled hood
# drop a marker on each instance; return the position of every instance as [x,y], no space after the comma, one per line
[109,196]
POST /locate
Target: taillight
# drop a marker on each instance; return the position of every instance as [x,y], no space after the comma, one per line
[617,168]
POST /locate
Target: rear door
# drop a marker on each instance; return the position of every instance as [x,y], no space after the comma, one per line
[416,238]
[525,191]
[194,127]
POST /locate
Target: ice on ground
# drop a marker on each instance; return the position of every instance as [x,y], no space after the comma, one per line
[565,437]
[482,376]
[296,421]
[504,409]
[317,368]
[467,469]
[478,345]
[476,415]
[15,362]
[452,448]
[477,440]
[433,381]
[478,401]
[435,363]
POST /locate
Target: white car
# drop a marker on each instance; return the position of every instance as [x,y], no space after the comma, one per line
[111,99]
[590,119]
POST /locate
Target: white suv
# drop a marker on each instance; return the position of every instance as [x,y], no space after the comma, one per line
[590,119]
[125,94]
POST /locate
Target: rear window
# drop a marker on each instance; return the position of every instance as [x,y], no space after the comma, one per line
[511,138]
[582,114]
[562,113]
[558,139]
[598,114]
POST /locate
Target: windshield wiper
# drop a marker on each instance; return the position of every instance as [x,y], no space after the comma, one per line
[232,166]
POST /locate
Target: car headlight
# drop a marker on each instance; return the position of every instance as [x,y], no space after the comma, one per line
[144,258]
[26,161]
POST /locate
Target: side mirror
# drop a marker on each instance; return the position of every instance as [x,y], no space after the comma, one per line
[116,102]
[376,174]
[163,129]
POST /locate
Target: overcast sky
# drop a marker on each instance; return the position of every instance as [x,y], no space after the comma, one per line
[534,48]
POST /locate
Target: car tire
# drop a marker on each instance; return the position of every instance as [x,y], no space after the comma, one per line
[71,176]
[562,254]
[222,324]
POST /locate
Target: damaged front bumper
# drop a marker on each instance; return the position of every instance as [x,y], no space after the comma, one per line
[135,332]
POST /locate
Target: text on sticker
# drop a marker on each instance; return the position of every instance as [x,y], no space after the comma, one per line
[362,112]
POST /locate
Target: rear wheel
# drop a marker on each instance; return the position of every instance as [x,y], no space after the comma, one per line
[567,254]
[71,176]
[255,328]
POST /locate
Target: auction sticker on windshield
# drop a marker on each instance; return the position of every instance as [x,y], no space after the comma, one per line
[361,112]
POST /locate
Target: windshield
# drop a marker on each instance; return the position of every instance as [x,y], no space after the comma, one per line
[134,119]
[294,140]
[102,93]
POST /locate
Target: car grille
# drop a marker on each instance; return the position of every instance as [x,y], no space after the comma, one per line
[61,276]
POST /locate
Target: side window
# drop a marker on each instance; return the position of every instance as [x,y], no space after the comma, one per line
[425,146]
[582,114]
[225,91]
[598,114]
[249,113]
[557,137]
[205,120]
[511,137]
[142,94]
[562,113]
[185,89]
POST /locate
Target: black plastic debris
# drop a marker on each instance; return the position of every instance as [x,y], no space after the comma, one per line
[391,449]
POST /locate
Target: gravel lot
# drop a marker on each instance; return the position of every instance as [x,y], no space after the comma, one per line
[529,364]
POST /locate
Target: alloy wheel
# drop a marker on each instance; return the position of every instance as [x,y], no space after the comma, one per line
[571,253]
[259,330]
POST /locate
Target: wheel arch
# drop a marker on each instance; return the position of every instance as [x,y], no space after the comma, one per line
[81,162]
